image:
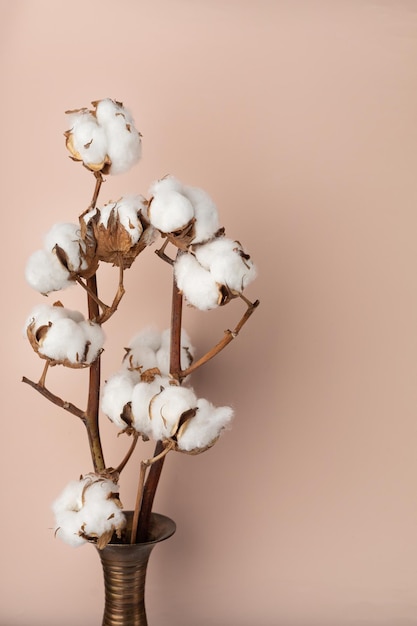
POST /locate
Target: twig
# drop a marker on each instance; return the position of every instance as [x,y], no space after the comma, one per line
[92,205]
[109,310]
[43,376]
[122,465]
[68,406]
[92,295]
[162,448]
[161,253]
[228,337]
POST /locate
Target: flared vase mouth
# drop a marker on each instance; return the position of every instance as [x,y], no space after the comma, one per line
[161,528]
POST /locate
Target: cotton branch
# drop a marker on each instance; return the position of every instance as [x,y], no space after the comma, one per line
[140,532]
[68,406]
[228,337]
[92,412]
[149,489]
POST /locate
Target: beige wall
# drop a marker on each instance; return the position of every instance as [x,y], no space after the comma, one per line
[300,120]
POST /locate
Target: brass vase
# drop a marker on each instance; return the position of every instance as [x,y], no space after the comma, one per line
[124,569]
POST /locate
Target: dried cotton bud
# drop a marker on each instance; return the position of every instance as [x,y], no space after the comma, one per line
[119,230]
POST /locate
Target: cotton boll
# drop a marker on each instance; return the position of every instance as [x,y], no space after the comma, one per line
[196,283]
[45,314]
[168,183]
[170,211]
[101,513]
[227,262]
[68,237]
[206,214]
[63,335]
[124,145]
[142,395]
[68,528]
[88,139]
[93,339]
[107,109]
[45,273]
[88,509]
[124,148]
[128,209]
[63,340]
[203,429]
[71,497]
[117,392]
[163,355]
[65,509]
[141,353]
[166,410]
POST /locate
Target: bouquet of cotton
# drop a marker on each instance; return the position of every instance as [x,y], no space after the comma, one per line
[149,397]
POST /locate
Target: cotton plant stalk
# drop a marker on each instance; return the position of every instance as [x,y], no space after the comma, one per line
[149,397]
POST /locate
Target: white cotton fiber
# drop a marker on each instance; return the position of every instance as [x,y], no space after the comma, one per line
[64,340]
[88,509]
[128,209]
[141,352]
[94,339]
[117,392]
[45,314]
[227,262]
[170,211]
[66,335]
[205,212]
[101,512]
[45,273]
[142,395]
[123,140]
[163,355]
[88,138]
[196,283]
[203,429]
[167,408]
[168,183]
[68,237]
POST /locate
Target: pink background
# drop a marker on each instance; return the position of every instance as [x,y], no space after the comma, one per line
[299,118]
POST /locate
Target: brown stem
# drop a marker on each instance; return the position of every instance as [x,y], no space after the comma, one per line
[91,294]
[68,406]
[176,323]
[92,412]
[43,377]
[161,253]
[148,494]
[129,453]
[167,446]
[109,310]
[152,481]
[99,182]
[228,337]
